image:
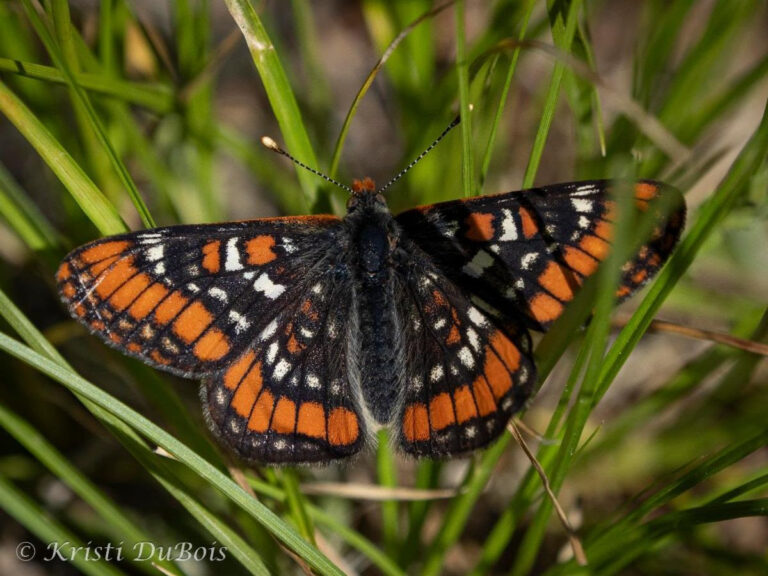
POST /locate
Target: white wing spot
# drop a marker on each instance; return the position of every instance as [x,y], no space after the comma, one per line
[270,289]
[288,245]
[527,260]
[232,261]
[272,353]
[508,226]
[439,324]
[306,333]
[313,381]
[281,369]
[466,357]
[241,324]
[218,293]
[583,222]
[268,331]
[474,340]
[160,268]
[477,317]
[155,253]
[581,205]
[449,228]
[436,373]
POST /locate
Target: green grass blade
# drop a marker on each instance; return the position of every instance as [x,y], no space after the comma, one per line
[23,216]
[461,507]
[296,505]
[462,67]
[563,33]
[278,91]
[93,203]
[387,476]
[155,97]
[504,94]
[60,59]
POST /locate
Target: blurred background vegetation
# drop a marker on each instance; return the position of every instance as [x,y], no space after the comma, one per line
[119,114]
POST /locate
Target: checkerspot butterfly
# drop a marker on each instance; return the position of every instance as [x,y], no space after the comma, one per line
[311,332]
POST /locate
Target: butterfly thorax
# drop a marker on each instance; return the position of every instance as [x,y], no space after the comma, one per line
[374,236]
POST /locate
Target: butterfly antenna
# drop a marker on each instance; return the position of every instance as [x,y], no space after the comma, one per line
[402,172]
[267,142]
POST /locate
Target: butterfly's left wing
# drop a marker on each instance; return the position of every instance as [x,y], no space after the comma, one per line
[290,396]
[189,299]
[525,253]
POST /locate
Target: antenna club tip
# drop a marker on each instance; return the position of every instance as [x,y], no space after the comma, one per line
[267,142]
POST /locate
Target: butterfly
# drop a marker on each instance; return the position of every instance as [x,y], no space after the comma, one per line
[310,333]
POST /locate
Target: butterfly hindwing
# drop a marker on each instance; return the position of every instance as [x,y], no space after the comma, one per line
[526,253]
[465,376]
[188,299]
[288,397]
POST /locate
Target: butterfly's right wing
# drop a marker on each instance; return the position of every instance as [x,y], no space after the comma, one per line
[465,375]
[526,253]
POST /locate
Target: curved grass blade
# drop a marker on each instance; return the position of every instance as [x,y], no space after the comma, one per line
[93,203]
[278,91]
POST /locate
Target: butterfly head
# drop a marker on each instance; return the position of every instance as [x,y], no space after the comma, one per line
[365,197]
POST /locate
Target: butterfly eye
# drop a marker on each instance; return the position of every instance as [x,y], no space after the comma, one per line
[352,202]
[380,199]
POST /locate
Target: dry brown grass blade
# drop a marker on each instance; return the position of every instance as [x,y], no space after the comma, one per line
[699,334]
[573,539]
[375,493]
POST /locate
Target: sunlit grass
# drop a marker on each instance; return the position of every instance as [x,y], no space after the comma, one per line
[120,127]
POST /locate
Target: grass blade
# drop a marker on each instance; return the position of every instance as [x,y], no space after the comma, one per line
[93,203]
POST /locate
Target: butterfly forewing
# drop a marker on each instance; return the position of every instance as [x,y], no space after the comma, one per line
[188,299]
[526,253]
